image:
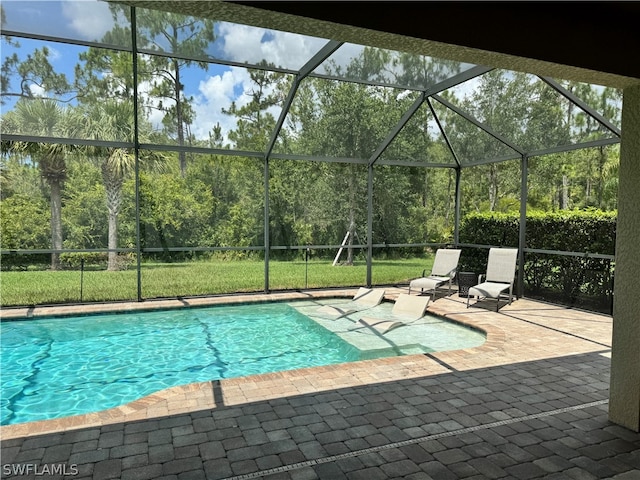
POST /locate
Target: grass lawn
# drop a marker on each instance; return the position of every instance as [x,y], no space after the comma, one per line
[196,278]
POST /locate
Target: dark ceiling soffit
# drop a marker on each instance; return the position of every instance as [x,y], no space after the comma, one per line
[600,36]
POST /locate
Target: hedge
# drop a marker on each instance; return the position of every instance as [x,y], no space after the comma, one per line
[571,280]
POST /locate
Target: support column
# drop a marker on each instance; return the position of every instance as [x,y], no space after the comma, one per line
[267,240]
[624,395]
[456,216]
[522,233]
[369,279]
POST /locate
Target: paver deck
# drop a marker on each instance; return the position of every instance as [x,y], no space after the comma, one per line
[529,403]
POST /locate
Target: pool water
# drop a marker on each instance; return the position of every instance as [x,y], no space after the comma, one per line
[59,366]
[64,366]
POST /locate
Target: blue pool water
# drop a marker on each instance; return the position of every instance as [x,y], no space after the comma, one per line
[57,367]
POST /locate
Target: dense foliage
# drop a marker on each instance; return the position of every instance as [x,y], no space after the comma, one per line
[585,280]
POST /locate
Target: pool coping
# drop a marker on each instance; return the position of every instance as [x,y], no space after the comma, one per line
[500,347]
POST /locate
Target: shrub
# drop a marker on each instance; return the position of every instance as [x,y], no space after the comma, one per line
[568,279]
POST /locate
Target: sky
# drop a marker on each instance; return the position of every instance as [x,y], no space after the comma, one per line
[212,90]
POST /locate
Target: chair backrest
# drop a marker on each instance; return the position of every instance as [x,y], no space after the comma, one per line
[501,266]
[368,296]
[446,262]
[410,306]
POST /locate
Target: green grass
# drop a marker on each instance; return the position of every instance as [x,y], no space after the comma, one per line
[196,278]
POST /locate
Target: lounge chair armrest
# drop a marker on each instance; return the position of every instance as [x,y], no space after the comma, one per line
[480,278]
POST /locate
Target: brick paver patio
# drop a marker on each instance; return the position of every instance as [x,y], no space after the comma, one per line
[529,403]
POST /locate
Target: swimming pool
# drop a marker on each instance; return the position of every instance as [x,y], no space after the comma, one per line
[60,366]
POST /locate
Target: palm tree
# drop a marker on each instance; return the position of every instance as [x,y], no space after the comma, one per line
[113,119]
[45,117]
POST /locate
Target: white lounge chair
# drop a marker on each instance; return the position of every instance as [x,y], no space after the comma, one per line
[407,308]
[443,271]
[363,299]
[501,272]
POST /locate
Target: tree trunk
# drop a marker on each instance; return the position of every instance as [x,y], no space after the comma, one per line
[352,231]
[602,159]
[493,187]
[55,185]
[352,215]
[451,201]
[425,192]
[180,120]
[112,264]
[564,194]
[113,190]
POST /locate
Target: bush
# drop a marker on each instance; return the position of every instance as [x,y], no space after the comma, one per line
[567,279]
[92,260]
[24,225]
[95,260]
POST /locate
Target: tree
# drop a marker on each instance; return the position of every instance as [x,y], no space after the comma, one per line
[45,117]
[104,81]
[173,33]
[598,161]
[113,119]
[254,126]
[255,123]
[34,72]
[38,112]
[23,223]
[349,125]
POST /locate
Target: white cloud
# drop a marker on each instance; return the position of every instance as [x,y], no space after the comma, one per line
[54,53]
[243,43]
[467,89]
[215,93]
[89,18]
[37,90]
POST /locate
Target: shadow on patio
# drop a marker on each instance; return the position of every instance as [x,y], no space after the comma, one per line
[545,418]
